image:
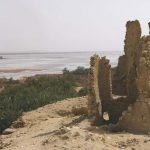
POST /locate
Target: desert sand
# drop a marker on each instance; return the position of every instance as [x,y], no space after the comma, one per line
[64,125]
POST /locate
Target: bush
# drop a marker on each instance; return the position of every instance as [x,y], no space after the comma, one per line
[81,71]
[83,92]
[31,94]
[18,97]
[65,71]
[79,75]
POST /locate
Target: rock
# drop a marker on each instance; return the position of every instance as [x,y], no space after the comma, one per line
[64,130]
[8,131]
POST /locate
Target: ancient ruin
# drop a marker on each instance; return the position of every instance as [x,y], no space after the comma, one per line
[125,95]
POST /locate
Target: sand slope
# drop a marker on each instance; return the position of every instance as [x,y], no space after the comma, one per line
[64,126]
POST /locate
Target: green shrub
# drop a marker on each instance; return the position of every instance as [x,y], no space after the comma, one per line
[20,96]
[80,71]
[83,92]
[33,93]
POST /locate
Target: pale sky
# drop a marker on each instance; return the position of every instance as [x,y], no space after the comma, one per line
[68,25]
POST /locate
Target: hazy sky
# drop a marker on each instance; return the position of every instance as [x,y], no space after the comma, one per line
[68,25]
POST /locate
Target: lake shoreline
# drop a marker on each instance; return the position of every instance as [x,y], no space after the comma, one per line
[17,70]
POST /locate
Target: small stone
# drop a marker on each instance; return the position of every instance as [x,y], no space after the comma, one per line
[8,131]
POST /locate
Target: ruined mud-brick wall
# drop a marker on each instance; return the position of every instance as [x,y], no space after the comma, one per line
[105,87]
[137,51]
[100,98]
[119,77]
[137,116]
[132,112]
[132,52]
[143,80]
[94,102]
[126,76]
[100,92]
[124,79]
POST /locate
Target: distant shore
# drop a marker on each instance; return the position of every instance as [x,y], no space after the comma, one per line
[20,65]
[18,74]
[17,70]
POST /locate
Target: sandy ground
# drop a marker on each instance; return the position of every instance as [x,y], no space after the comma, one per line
[64,126]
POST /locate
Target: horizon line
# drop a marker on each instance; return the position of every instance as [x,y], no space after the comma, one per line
[39,52]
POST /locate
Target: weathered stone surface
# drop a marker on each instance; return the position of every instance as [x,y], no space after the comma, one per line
[8,131]
[143,79]
[94,102]
[131,78]
[119,77]
[100,99]
[137,118]
[132,51]
[105,88]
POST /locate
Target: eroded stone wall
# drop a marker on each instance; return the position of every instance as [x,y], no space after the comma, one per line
[132,51]
[105,81]
[132,78]
[137,116]
[94,102]
[119,77]
[124,79]
[143,80]
[100,92]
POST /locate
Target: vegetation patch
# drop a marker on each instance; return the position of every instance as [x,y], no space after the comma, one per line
[21,96]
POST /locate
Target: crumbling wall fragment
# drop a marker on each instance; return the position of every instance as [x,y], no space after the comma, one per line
[137,116]
[132,77]
[143,80]
[105,87]
[132,51]
[94,102]
[119,77]
[100,92]
[100,97]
